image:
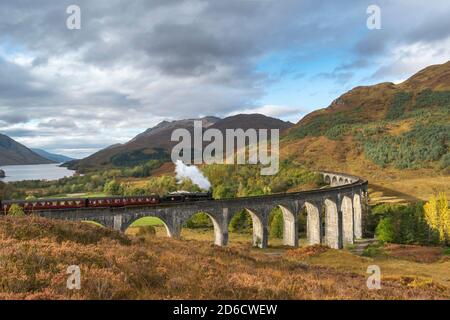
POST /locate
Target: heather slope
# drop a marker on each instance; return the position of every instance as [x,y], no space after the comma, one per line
[35,254]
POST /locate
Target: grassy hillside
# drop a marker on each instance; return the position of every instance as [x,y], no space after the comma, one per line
[35,254]
[14,153]
[385,132]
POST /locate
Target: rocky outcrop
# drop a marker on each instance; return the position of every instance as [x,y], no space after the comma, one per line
[2,174]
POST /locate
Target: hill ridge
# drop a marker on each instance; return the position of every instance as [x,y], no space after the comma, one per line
[14,153]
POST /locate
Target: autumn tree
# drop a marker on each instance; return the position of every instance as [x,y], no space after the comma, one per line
[437,215]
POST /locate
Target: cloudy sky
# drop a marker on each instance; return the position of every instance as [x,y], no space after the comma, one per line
[135,63]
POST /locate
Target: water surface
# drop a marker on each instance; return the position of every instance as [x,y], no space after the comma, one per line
[35,172]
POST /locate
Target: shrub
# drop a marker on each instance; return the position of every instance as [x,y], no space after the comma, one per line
[337,132]
[16,211]
[199,220]
[321,124]
[428,98]
[302,224]
[398,105]
[241,222]
[113,188]
[445,161]
[373,250]
[404,224]
[385,230]
[146,231]
[276,225]
[412,149]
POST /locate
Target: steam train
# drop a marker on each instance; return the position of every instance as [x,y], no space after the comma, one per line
[105,202]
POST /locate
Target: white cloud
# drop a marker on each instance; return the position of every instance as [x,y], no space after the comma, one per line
[405,60]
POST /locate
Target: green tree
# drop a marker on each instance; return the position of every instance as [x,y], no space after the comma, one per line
[276,225]
[16,211]
[403,224]
[113,188]
[241,222]
[385,230]
[199,220]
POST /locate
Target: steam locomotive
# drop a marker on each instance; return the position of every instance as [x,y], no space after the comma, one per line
[105,202]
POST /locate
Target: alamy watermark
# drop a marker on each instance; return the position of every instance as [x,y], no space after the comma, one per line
[374,280]
[73,22]
[374,19]
[74,279]
[261,148]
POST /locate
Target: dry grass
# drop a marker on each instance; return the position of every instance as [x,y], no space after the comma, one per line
[33,266]
[399,127]
[414,253]
[395,264]
[410,189]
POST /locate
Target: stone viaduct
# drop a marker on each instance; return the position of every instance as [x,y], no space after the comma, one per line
[334,214]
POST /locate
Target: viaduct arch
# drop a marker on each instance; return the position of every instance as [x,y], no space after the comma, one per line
[335,215]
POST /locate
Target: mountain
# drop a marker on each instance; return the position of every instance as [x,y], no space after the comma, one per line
[383,132]
[155,143]
[14,153]
[59,158]
[249,121]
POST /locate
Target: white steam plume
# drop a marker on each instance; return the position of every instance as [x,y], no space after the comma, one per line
[192,172]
